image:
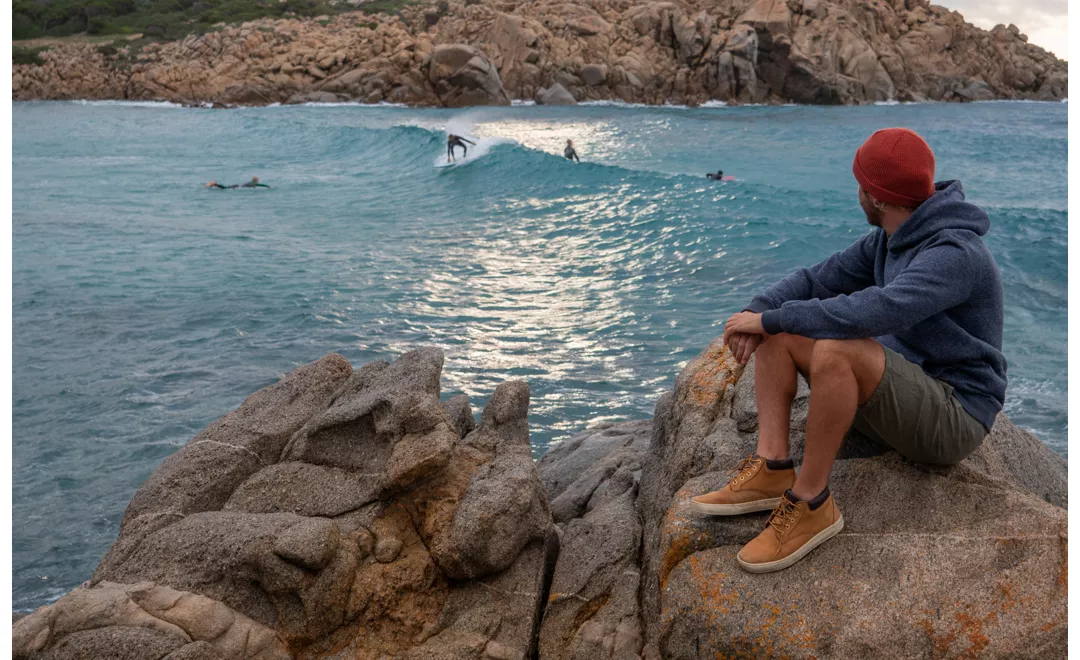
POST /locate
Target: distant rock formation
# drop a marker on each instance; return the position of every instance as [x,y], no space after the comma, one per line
[488,52]
[342,514]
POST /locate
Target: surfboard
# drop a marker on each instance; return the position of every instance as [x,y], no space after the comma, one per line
[460,161]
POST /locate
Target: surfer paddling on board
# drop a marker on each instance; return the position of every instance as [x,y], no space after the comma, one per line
[456,141]
[718,176]
[254,183]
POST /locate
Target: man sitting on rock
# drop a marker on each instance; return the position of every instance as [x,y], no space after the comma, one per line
[899,337]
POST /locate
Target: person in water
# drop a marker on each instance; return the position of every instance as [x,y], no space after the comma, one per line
[456,141]
[899,336]
[569,151]
[254,183]
[719,176]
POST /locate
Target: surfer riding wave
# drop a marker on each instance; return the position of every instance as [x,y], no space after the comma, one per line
[453,141]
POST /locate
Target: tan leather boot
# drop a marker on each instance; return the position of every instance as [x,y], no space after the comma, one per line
[753,488]
[792,532]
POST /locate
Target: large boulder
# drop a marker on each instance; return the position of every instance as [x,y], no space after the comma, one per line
[333,510]
[462,76]
[932,561]
[594,74]
[313,97]
[555,95]
[515,48]
[579,470]
[106,619]
[928,565]
[592,610]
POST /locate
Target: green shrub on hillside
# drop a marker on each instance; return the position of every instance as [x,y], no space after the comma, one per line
[27,55]
[168,19]
[385,6]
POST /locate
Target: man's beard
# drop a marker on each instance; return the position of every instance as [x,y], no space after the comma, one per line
[873,214]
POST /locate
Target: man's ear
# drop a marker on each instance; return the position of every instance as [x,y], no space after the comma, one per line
[870,200]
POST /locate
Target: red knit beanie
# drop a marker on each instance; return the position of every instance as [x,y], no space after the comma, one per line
[896,166]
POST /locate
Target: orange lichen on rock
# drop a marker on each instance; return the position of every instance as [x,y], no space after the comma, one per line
[1063,575]
[711,587]
[973,627]
[682,541]
[711,374]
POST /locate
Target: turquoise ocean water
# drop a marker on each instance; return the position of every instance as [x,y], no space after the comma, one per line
[145,306]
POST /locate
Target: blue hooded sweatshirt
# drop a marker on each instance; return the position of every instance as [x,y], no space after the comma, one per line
[931,292]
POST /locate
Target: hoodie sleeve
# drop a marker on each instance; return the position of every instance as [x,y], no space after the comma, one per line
[937,279]
[846,271]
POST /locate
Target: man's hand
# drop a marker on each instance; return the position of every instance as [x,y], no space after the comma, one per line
[743,333]
[743,345]
[744,322]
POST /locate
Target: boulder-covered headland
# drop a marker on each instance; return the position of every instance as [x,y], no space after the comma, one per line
[489,52]
[355,513]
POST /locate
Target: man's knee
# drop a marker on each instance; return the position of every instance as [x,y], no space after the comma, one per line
[830,355]
[780,343]
[862,358]
[784,348]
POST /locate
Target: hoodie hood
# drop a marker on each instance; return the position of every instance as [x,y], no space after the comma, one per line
[946,209]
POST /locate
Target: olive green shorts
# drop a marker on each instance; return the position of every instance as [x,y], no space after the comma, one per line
[918,415]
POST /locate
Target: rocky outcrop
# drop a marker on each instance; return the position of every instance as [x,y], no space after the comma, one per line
[592,480]
[463,76]
[487,52]
[555,95]
[353,514]
[153,620]
[335,512]
[933,562]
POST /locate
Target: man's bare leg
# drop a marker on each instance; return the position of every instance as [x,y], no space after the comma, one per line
[779,359]
[844,374]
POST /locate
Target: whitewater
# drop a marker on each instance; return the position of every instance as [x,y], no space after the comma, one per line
[145,305]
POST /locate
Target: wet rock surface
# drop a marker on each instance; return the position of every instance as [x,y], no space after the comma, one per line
[488,52]
[354,514]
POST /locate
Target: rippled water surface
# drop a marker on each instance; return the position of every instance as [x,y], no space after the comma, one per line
[145,306]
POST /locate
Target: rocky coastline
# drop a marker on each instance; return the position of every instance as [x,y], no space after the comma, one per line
[353,513]
[489,52]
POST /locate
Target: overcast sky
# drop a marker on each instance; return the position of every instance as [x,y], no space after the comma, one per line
[1045,22]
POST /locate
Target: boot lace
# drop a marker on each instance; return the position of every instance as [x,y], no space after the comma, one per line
[784,515]
[742,471]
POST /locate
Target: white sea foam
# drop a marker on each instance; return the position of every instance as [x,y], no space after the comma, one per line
[668,105]
[1018,101]
[615,104]
[349,104]
[130,104]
